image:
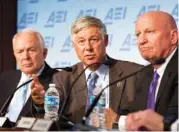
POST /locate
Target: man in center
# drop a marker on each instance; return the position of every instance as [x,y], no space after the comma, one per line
[90,39]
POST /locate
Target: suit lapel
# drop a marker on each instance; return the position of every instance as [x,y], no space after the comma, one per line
[80,88]
[115,90]
[144,88]
[167,79]
[168,76]
[162,86]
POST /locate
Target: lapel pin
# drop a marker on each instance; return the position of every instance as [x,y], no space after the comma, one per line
[119,84]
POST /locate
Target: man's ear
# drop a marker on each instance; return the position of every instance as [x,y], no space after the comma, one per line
[45,52]
[174,37]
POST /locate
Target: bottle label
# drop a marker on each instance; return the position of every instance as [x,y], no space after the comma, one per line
[51,100]
[101,102]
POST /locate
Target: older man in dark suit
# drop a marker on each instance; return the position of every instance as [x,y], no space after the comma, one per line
[157,85]
[90,39]
[30,54]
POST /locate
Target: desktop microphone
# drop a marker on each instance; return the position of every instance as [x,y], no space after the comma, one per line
[95,101]
[107,62]
[6,104]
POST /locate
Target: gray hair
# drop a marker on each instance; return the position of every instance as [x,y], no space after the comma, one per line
[31,31]
[88,21]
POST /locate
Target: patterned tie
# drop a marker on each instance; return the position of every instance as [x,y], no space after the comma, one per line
[91,85]
[19,100]
[151,95]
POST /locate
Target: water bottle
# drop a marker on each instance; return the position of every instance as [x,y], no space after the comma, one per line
[51,103]
[98,112]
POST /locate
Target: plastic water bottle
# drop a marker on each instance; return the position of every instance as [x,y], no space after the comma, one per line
[51,103]
[98,112]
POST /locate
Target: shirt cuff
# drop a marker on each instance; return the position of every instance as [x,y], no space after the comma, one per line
[175,126]
[122,123]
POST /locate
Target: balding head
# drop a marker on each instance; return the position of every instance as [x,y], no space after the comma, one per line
[29,51]
[157,35]
[37,36]
[162,18]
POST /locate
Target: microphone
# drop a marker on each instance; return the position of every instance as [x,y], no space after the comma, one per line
[95,101]
[64,68]
[107,62]
[6,104]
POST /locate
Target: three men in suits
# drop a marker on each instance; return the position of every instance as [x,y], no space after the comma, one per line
[90,39]
[157,39]
[30,53]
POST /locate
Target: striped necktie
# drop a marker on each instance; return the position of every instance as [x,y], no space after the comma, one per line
[91,85]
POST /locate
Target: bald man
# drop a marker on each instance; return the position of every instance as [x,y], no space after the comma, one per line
[30,53]
[157,40]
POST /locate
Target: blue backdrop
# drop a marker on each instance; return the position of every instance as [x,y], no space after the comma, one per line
[53,19]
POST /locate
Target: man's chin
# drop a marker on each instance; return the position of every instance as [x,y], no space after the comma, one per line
[155,60]
[93,65]
[90,61]
[28,71]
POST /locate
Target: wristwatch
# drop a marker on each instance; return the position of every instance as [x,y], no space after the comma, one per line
[115,122]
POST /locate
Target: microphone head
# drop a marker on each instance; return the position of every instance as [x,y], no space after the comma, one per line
[68,68]
[64,68]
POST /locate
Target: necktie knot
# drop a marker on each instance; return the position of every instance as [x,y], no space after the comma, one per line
[92,80]
[93,76]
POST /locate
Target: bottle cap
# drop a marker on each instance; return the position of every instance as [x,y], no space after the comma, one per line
[52,85]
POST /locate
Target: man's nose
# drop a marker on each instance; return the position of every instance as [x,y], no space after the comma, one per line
[25,55]
[88,45]
[142,39]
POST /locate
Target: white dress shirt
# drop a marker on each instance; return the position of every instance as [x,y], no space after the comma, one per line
[102,81]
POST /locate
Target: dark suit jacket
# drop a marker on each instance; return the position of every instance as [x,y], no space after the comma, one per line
[167,97]
[9,81]
[121,93]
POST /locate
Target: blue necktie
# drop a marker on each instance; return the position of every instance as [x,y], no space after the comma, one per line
[151,94]
[91,85]
[19,100]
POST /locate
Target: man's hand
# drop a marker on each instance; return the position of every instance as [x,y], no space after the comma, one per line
[37,91]
[132,121]
[147,119]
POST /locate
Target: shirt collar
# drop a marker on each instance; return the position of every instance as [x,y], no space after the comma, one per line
[101,71]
